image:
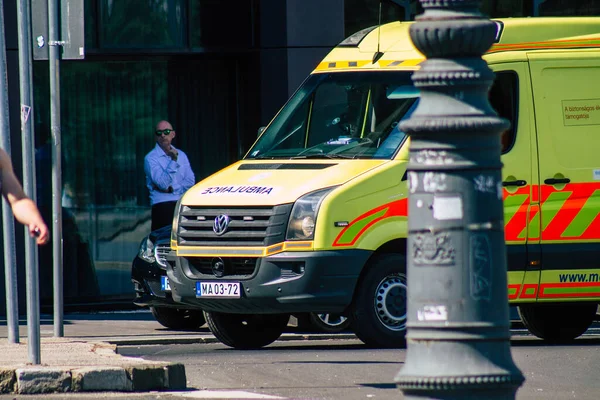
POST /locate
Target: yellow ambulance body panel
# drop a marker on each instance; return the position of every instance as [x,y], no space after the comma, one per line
[314,218]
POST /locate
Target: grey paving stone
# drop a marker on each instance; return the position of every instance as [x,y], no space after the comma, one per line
[90,379]
[7,380]
[147,377]
[42,380]
[175,377]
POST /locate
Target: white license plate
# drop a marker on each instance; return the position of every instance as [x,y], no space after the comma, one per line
[164,284]
[218,289]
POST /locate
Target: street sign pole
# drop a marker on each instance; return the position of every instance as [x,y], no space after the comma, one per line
[458,331]
[57,241]
[51,20]
[31,256]
[8,221]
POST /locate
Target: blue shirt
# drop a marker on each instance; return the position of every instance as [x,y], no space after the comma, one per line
[162,172]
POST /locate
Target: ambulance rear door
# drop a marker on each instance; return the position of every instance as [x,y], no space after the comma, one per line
[566,89]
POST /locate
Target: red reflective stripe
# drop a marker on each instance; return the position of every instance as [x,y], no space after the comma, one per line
[521,190]
[395,209]
[592,231]
[527,294]
[514,226]
[514,295]
[535,193]
[526,288]
[544,286]
[547,191]
[517,223]
[580,194]
[569,295]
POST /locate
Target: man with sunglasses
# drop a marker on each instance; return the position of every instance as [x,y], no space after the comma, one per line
[168,175]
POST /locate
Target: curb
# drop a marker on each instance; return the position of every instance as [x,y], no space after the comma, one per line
[130,378]
[139,341]
[123,377]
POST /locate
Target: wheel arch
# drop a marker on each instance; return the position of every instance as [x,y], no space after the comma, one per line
[394,246]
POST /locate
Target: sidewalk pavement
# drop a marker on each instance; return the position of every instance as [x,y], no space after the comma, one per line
[86,358]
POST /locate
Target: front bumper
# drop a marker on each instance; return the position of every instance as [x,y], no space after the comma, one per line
[316,281]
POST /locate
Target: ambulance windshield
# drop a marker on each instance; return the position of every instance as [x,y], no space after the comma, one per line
[341,115]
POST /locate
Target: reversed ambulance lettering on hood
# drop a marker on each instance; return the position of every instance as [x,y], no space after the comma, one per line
[238,190]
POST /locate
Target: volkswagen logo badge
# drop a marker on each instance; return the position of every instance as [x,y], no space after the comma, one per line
[221,224]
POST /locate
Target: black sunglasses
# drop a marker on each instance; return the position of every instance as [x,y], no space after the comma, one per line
[163,132]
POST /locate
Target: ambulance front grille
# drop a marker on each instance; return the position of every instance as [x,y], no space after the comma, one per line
[256,226]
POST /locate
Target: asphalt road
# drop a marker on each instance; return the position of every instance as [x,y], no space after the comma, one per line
[345,369]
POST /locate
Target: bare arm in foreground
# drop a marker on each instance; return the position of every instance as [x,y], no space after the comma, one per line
[23,208]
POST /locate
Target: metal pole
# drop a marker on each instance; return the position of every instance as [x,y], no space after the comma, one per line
[458,337]
[31,259]
[54,62]
[8,222]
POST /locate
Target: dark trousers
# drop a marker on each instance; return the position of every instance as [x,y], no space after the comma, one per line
[162,214]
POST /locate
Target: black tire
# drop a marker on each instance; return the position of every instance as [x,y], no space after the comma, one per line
[378,312]
[558,323]
[242,331]
[330,323]
[178,318]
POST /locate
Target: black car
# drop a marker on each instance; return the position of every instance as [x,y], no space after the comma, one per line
[149,277]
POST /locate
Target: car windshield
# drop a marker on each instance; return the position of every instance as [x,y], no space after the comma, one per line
[341,115]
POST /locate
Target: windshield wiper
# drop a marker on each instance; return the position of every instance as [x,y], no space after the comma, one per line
[262,157]
[320,155]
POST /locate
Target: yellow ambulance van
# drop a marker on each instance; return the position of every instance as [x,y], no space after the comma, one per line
[314,217]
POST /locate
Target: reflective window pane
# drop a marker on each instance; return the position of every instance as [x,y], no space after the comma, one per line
[507,8]
[142,23]
[90,16]
[218,23]
[360,14]
[109,110]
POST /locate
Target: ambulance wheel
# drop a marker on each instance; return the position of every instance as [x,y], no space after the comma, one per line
[243,331]
[378,313]
[558,323]
[178,318]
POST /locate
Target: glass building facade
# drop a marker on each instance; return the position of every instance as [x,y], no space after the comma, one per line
[146,60]
[216,69]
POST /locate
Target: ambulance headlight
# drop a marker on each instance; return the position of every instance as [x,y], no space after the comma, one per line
[304,215]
